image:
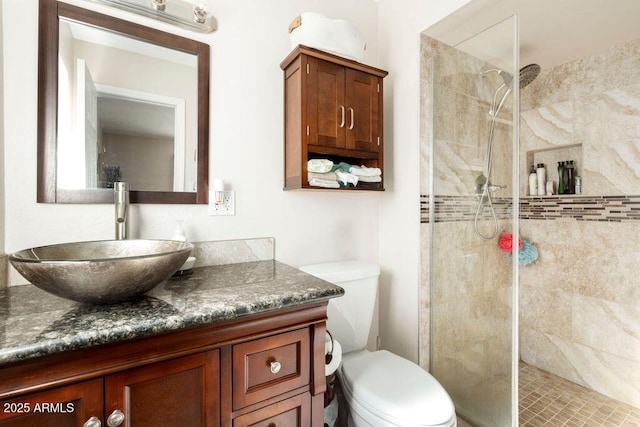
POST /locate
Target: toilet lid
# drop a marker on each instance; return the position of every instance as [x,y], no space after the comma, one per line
[396,389]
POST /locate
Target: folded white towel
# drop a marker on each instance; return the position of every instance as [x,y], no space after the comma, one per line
[365,171]
[370,178]
[324,183]
[346,178]
[330,176]
[319,165]
[333,35]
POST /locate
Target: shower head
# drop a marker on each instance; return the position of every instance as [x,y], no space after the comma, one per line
[506,77]
[528,73]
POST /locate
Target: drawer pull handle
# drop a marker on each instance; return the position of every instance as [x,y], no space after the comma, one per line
[92,422]
[275,367]
[115,419]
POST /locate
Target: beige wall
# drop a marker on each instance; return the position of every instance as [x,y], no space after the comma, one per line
[144,161]
[579,306]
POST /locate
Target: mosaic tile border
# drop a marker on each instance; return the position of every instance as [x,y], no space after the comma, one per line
[568,207]
[463,208]
[581,208]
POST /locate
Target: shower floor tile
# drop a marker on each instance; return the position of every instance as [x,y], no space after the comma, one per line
[548,400]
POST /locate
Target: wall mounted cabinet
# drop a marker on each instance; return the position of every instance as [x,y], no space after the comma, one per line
[333,110]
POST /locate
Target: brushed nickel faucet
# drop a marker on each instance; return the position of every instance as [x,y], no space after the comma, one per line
[121,202]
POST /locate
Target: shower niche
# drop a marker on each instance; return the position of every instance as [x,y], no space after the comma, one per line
[550,158]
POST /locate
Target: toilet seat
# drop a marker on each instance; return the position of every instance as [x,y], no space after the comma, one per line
[387,390]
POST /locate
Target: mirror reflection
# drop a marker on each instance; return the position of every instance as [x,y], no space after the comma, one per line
[127,111]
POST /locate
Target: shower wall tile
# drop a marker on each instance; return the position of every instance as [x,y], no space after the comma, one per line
[607,326]
[583,365]
[612,68]
[546,310]
[425,297]
[547,127]
[579,301]
[579,304]
[609,125]
[597,108]
[474,316]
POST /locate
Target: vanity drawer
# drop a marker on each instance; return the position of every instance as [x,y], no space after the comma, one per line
[270,366]
[293,412]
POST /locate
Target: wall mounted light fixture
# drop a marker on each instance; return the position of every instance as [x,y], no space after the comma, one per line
[193,15]
[218,190]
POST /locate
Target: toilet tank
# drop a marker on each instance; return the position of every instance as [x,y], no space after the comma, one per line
[350,316]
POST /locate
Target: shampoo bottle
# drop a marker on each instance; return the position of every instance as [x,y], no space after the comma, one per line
[533,182]
[561,178]
[541,173]
[571,186]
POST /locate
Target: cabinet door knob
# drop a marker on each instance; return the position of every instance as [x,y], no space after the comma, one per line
[353,120]
[342,115]
[115,419]
[275,367]
[92,422]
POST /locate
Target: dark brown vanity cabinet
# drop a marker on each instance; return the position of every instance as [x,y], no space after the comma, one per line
[67,406]
[263,370]
[333,109]
[179,392]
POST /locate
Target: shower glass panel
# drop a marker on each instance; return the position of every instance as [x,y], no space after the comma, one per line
[473,202]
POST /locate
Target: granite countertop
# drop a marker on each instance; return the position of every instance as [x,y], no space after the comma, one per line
[34,323]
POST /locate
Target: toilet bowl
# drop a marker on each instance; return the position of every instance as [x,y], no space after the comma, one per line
[381,389]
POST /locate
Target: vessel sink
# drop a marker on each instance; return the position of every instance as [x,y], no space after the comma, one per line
[101,272]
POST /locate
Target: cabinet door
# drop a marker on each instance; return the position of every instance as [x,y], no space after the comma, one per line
[293,412]
[363,99]
[326,110]
[68,406]
[182,392]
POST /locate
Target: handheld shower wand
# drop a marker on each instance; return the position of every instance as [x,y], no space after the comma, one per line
[484,187]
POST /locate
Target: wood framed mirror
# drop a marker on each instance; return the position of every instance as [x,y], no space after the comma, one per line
[116,131]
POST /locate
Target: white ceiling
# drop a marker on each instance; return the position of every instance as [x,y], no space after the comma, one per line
[552,32]
[127,117]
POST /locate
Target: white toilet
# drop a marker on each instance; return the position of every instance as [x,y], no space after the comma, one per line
[381,389]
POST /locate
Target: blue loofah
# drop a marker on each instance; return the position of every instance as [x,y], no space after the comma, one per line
[527,254]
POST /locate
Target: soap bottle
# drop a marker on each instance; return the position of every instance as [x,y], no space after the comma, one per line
[578,185]
[541,173]
[571,186]
[179,233]
[561,188]
[533,182]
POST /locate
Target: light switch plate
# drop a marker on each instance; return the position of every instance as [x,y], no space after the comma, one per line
[228,205]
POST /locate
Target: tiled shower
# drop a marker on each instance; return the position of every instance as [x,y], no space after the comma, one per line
[576,307]
[580,304]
